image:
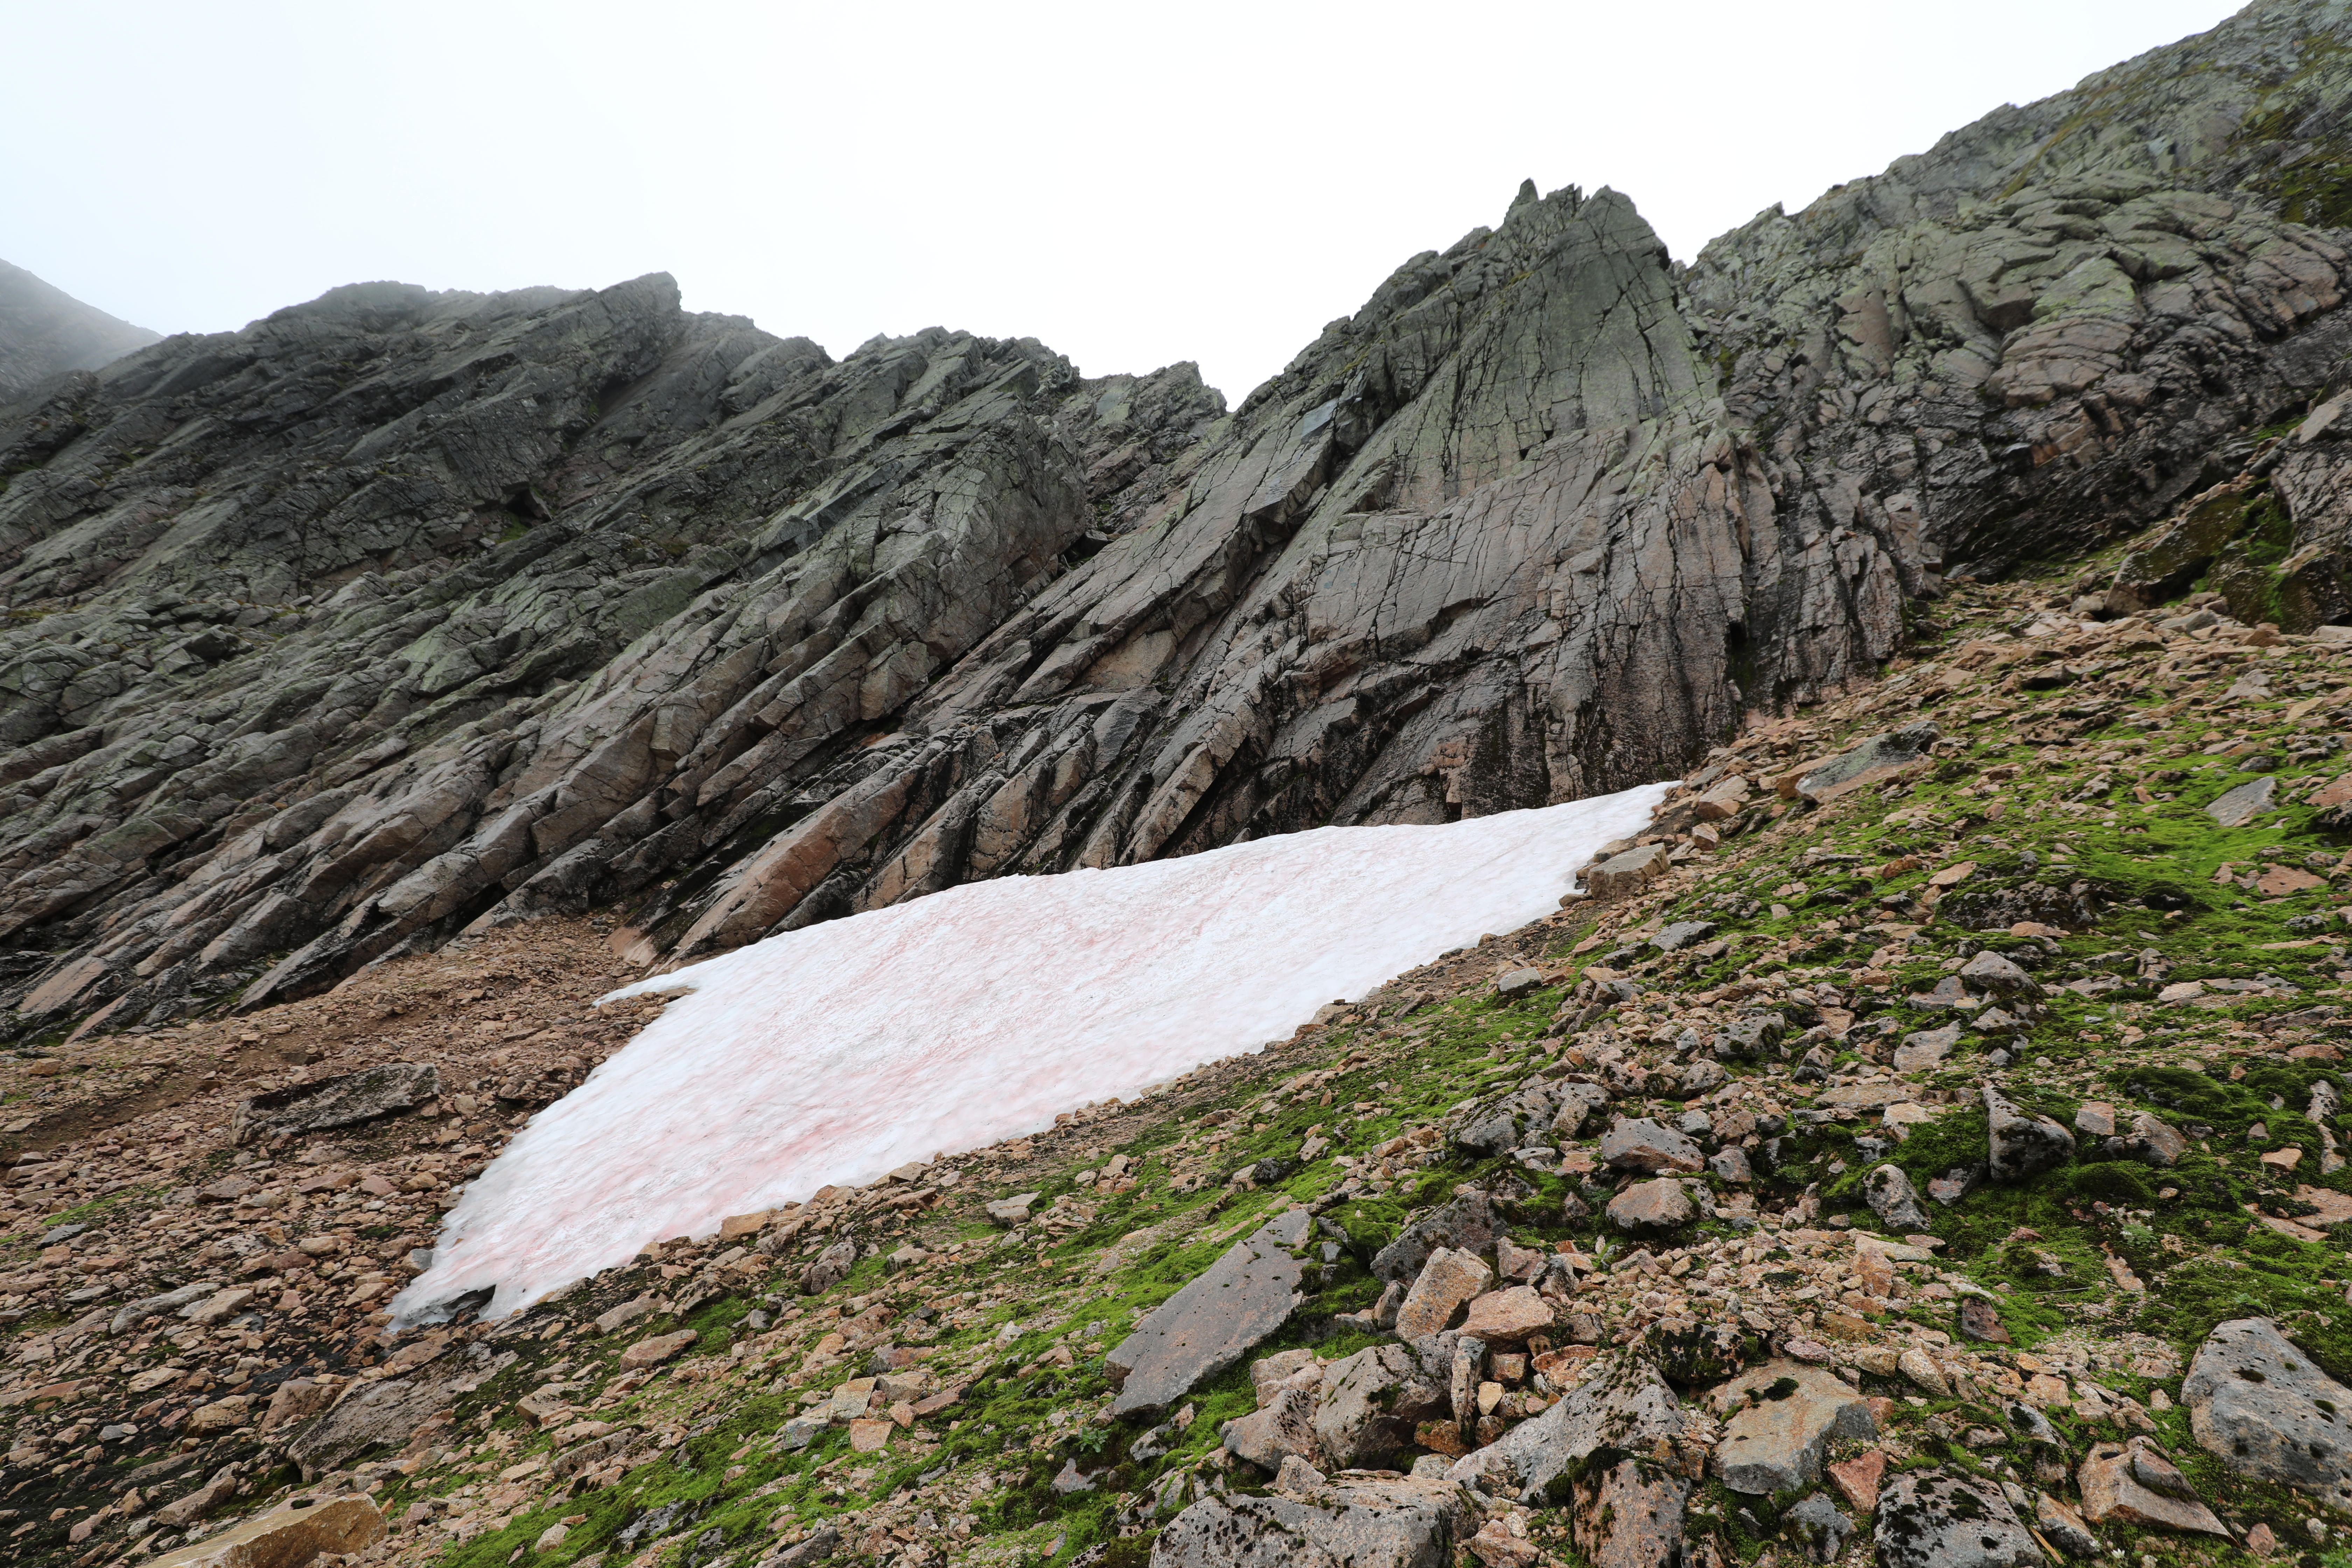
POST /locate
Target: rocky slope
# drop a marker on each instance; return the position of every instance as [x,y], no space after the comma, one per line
[1926,1148]
[398,616]
[45,331]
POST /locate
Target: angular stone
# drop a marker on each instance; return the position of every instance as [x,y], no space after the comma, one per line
[1819,1527]
[1511,1315]
[2258,1406]
[293,1533]
[1369,1403]
[1014,1210]
[2236,807]
[1896,1201]
[654,1351]
[386,1414]
[1641,1145]
[1649,1208]
[1513,984]
[829,1267]
[1622,876]
[2152,1142]
[1730,1164]
[1622,1403]
[1989,970]
[170,1301]
[1856,1479]
[1977,1318]
[1937,1519]
[1407,1522]
[1467,1224]
[1879,758]
[1285,1424]
[2064,1527]
[1212,1322]
[1448,1281]
[2020,1145]
[1777,1440]
[1921,1369]
[341,1101]
[1268,1375]
[1629,1515]
[2112,1494]
[2094,1119]
[1681,934]
[1924,1049]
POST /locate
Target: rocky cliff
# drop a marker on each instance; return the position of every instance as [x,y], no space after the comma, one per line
[399,615]
[45,331]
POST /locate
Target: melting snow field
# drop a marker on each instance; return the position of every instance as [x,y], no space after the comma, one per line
[835,1053]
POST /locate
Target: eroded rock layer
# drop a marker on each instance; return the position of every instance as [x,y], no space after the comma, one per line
[397,614]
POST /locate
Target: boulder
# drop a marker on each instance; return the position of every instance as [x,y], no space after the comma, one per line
[1777,1440]
[1579,1104]
[2113,1480]
[2150,1141]
[1647,1147]
[1629,1515]
[340,1101]
[1896,1201]
[386,1414]
[1681,934]
[1510,1121]
[2021,1145]
[1405,1521]
[1730,1164]
[1819,1528]
[1369,1403]
[1513,983]
[1014,1210]
[2237,807]
[1213,1321]
[1622,876]
[1925,1049]
[2064,1527]
[1879,758]
[1511,1315]
[294,1532]
[2258,1406]
[1623,1403]
[829,1267]
[1650,1207]
[1284,1425]
[1447,1281]
[1937,1519]
[1467,1224]
[1989,970]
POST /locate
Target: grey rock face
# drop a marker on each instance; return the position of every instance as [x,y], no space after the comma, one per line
[1896,1201]
[2150,1141]
[1285,1424]
[2021,1145]
[1629,1515]
[829,1267]
[1211,1322]
[1512,1120]
[45,332]
[398,614]
[2237,806]
[335,1102]
[1777,1440]
[1935,1519]
[386,1413]
[1407,1522]
[2260,1406]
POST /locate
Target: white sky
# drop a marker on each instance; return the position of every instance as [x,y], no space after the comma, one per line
[1133,184]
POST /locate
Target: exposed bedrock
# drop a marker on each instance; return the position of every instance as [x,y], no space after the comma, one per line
[398,614]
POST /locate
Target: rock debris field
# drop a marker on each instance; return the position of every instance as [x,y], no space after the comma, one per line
[1924,1146]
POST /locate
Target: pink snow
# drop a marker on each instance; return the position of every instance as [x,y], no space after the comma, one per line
[834,1054]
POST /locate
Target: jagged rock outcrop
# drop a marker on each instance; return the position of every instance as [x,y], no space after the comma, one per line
[400,614]
[45,332]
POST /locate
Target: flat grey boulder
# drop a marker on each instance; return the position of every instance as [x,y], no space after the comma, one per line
[1877,759]
[1637,1143]
[1622,876]
[1513,984]
[1681,934]
[1896,1201]
[386,1414]
[2258,1406]
[1409,1521]
[1646,1208]
[1468,1224]
[356,1097]
[1777,1440]
[157,1306]
[2020,1144]
[1014,1210]
[1935,1519]
[1213,1321]
[1925,1049]
[2237,807]
[1623,1403]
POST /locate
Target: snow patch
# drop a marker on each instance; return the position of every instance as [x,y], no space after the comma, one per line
[835,1053]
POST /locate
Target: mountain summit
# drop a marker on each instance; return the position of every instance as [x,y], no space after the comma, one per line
[45,331]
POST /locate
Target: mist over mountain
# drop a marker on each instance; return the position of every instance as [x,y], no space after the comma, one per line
[44,330]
